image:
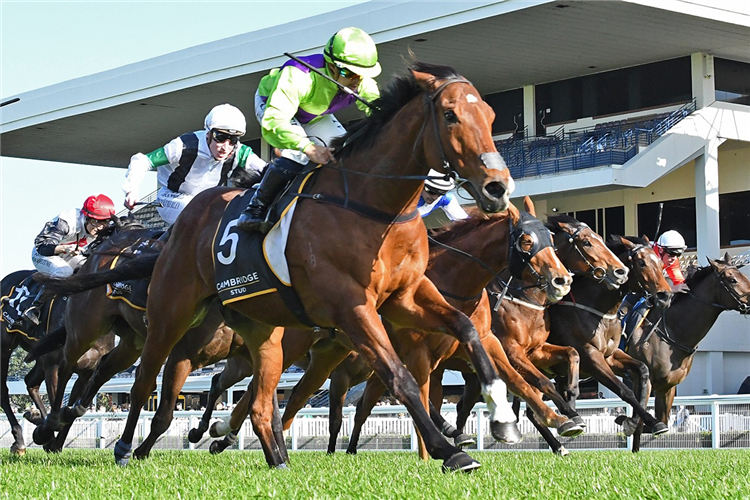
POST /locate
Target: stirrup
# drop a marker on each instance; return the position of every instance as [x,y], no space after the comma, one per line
[32,314]
[252,219]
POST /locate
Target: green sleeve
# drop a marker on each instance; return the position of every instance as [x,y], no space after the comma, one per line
[157,158]
[243,154]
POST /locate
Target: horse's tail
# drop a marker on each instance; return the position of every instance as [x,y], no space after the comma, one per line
[53,341]
[134,268]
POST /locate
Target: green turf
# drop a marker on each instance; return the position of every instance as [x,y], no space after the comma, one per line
[82,474]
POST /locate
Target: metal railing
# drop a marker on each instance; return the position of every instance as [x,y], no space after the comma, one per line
[713,422]
[606,144]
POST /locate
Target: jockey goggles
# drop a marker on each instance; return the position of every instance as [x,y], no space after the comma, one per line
[220,136]
[434,191]
[347,73]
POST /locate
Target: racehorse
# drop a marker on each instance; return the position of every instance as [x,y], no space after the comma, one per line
[430,118]
[520,320]
[667,341]
[462,261]
[587,322]
[45,369]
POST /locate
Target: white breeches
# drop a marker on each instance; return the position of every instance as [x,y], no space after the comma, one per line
[56,266]
[172,204]
[321,132]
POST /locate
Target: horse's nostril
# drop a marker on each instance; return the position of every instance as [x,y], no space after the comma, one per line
[495,189]
[561,282]
[621,271]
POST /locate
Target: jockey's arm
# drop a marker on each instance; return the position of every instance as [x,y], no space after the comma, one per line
[292,88]
[139,165]
[48,241]
[454,210]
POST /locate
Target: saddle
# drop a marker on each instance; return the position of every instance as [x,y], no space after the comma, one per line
[20,298]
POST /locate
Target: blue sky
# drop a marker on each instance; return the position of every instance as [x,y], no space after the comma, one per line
[43,43]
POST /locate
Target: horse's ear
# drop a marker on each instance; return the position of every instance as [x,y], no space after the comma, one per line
[646,238]
[528,205]
[425,80]
[514,214]
[727,258]
[626,242]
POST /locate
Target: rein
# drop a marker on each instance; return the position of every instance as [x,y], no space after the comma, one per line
[588,309]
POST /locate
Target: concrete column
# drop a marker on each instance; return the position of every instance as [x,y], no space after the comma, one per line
[715,372]
[702,75]
[631,213]
[707,201]
[529,109]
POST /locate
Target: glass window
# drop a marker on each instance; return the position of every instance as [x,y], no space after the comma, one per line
[508,106]
[675,214]
[734,216]
[614,221]
[732,81]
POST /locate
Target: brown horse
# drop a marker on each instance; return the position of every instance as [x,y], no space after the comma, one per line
[586,321]
[668,339]
[431,118]
[462,261]
[522,324]
[46,367]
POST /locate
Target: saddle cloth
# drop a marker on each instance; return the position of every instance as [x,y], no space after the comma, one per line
[248,265]
[19,298]
[133,292]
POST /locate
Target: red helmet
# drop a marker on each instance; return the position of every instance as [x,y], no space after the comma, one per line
[98,207]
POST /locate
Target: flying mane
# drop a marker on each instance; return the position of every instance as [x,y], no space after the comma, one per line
[399,92]
[614,243]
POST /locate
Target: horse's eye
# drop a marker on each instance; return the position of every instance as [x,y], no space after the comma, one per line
[450,116]
[733,281]
[642,263]
[585,243]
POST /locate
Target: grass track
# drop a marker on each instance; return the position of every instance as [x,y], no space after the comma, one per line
[83,474]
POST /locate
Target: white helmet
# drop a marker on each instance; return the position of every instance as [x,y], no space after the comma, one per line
[227,118]
[439,186]
[673,241]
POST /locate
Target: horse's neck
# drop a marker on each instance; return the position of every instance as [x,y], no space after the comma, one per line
[689,319]
[392,155]
[592,294]
[461,275]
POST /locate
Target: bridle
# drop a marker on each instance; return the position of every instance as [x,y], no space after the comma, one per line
[597,273]
[741,307]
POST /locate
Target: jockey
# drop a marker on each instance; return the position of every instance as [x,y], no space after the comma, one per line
[295,107]
[437,196]
[58,249]
[669,246]
[194,162]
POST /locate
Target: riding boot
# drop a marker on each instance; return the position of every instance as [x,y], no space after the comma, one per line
[32,313]
[276,176]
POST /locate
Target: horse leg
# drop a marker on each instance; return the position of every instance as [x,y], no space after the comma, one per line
[555,445]
[549,355]
[268,360]
[19,446]
[176,372]
[472,393]
[323,360]
[236,418]
[366,331]
[33,381]
[234,372]
[622,363]
[373,390]
[425,309]
[340,383]
[78,388]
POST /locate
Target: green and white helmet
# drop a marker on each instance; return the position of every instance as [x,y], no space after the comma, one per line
[353,49]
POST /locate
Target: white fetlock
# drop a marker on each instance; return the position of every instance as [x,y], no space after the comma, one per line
[496,397]
[221,428]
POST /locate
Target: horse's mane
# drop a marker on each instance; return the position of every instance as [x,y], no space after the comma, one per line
[463,227]
[696,273]
[618,247]
[553,221]
[395,96]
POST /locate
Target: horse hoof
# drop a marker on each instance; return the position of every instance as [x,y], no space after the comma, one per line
[506,432]
[140,454]
[17,450]
[463,440]
[657,429]
[460,462]
[216,447]
[351,451]
[620,419]
[562,452]
[569,429]
[52,447]
[122,453]
[195,435]
[43,436]
[281,466]
[579,420]
[629,426]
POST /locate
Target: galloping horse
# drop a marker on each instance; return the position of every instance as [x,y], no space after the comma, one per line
[46,367]
[431,118]
[587,322]
[463,260]
[521,322]
[667,341]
